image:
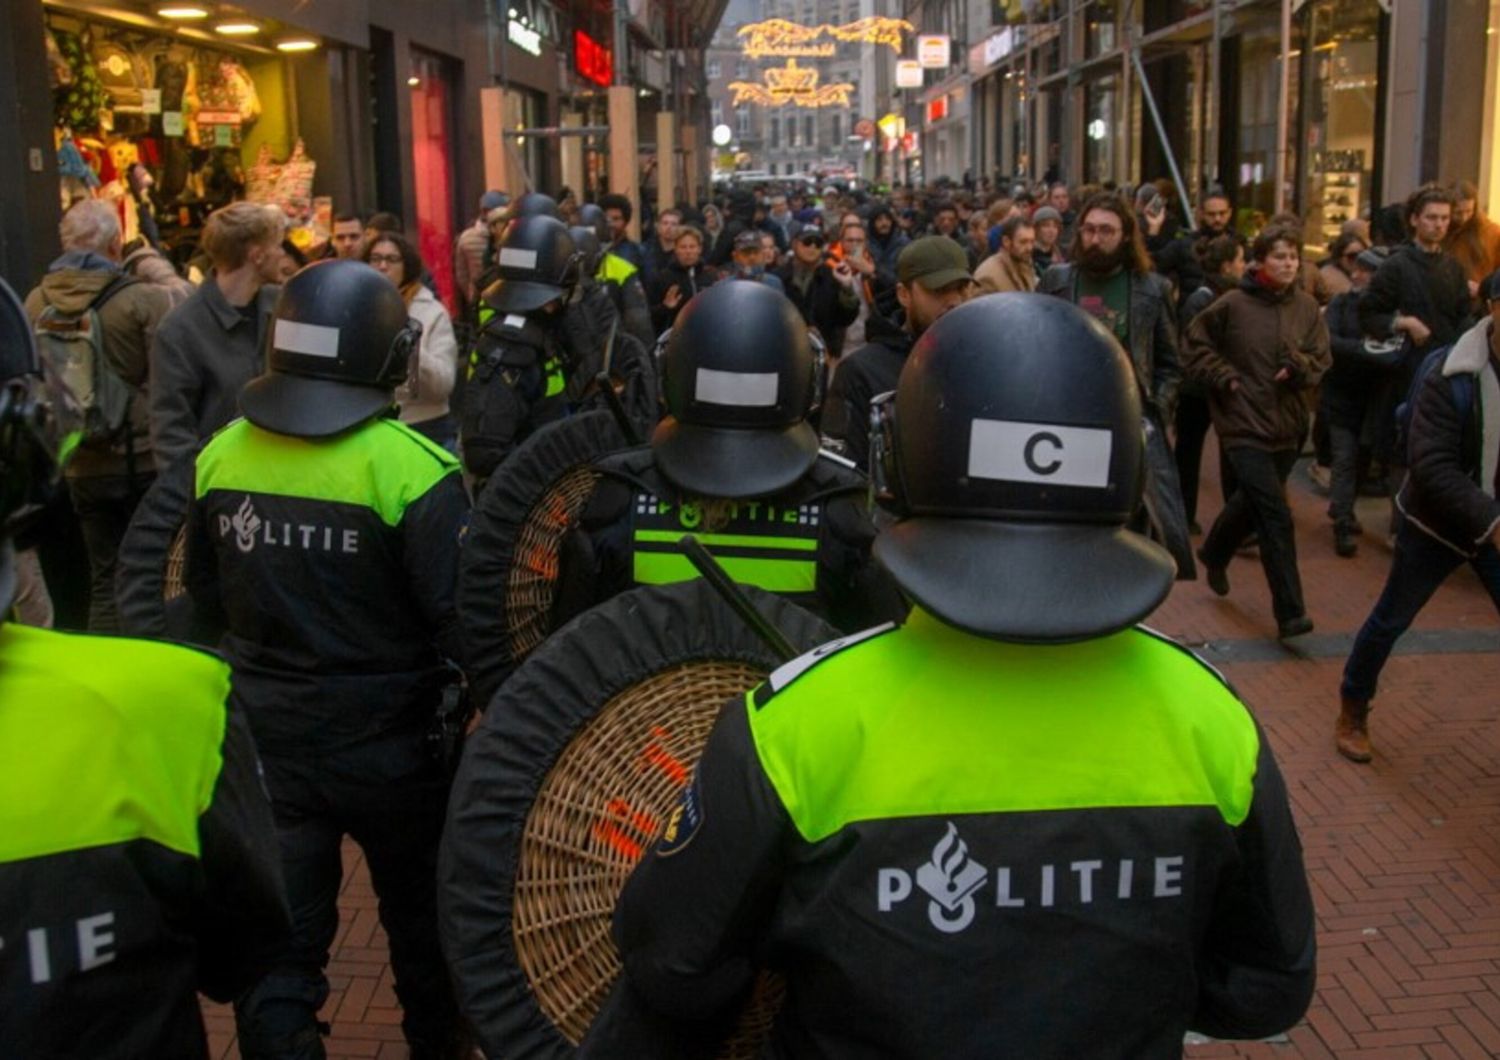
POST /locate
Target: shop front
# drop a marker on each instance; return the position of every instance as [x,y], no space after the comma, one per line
[1341,114]
[171,121]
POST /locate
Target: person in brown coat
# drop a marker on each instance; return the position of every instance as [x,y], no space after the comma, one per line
[1473,238]
[1010,268]
[1255,350]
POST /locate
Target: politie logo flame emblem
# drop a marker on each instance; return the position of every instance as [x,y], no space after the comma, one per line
[246,525]
[950,879]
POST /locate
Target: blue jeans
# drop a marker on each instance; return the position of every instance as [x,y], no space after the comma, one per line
[1421,564]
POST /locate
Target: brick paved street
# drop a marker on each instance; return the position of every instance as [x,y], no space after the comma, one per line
[1404,854]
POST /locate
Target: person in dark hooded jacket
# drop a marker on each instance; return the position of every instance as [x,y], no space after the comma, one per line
[886,238]
[932,277]
[1449,500]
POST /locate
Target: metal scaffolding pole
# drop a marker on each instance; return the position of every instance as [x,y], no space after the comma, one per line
[1161,133]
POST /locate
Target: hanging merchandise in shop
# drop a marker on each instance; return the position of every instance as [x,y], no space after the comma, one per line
[162,123]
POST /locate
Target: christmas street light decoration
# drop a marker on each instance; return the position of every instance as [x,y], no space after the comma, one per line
[778,37]
[791,84]
[874,30]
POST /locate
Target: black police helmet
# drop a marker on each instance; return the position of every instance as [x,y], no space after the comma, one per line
[340,343]
[537,261]
[40,425]
[586,240]
[738,382]
[1013,455]
[533,204]
[592,215]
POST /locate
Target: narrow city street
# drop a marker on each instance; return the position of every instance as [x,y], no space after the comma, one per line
[1404,854]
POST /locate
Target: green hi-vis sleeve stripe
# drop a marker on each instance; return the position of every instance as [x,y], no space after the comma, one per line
[773,575]
[105,740]
[383,465]
[930,720]
[556,381]
[712,541]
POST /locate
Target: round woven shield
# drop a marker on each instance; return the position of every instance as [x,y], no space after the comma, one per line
[509,568]
[149,570]
[566,784]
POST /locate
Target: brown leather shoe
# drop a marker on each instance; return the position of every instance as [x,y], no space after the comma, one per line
[1352,733]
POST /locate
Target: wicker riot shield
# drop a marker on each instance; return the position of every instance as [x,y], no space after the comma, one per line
[149,571]
[509,568]
[566,784]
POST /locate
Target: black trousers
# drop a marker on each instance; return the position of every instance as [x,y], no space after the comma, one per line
[1259,504]
[104,505]
[390,798]
[1192,422]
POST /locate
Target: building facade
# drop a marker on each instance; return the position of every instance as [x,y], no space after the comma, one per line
[1320,107]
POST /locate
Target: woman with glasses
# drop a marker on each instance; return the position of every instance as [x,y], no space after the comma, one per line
[1338,270]
[424,396]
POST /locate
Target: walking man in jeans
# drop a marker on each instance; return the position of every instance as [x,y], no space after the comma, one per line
[1449,500]
[105,479]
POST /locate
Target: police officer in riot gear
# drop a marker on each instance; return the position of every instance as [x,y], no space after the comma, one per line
[621,278]
[1017,825]
[737,464]
[546,332]
[136,846]
[324,538]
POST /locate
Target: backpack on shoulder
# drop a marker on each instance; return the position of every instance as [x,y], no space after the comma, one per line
[72,347]
[1462,386]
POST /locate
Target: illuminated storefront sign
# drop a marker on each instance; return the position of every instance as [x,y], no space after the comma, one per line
[592,59]
[791,84]
[524,37]
[933,51]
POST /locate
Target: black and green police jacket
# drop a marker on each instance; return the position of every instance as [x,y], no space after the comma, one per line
[810,542]
[332,564]
[955,847]
[138,860]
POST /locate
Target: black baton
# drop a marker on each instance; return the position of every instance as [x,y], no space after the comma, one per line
[606,386]
[736,598]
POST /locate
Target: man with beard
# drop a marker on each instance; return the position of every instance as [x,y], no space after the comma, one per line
[932,277]
[1110,277]
[887,241]
[1011,268]
[1473,239]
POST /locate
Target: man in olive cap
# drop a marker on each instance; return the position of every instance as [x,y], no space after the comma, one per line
[932,277]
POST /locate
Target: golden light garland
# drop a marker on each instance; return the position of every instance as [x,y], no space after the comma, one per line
[791,84]
[778,37]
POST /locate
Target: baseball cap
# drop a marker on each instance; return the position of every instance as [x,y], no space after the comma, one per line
[934,262]
[493,199]
[749,239]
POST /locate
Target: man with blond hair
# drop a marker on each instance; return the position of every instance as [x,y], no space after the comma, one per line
[106,477]
[209,347]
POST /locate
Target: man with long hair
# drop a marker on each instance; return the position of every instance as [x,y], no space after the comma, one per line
[1109,276]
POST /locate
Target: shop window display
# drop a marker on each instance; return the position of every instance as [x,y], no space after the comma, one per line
[162,127]
[1340,89]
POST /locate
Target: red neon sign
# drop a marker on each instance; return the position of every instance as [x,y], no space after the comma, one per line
[937,110]
[592,59]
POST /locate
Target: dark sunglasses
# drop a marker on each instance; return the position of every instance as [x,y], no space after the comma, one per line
[812,240]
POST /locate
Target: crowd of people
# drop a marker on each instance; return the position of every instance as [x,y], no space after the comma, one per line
[336,404]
